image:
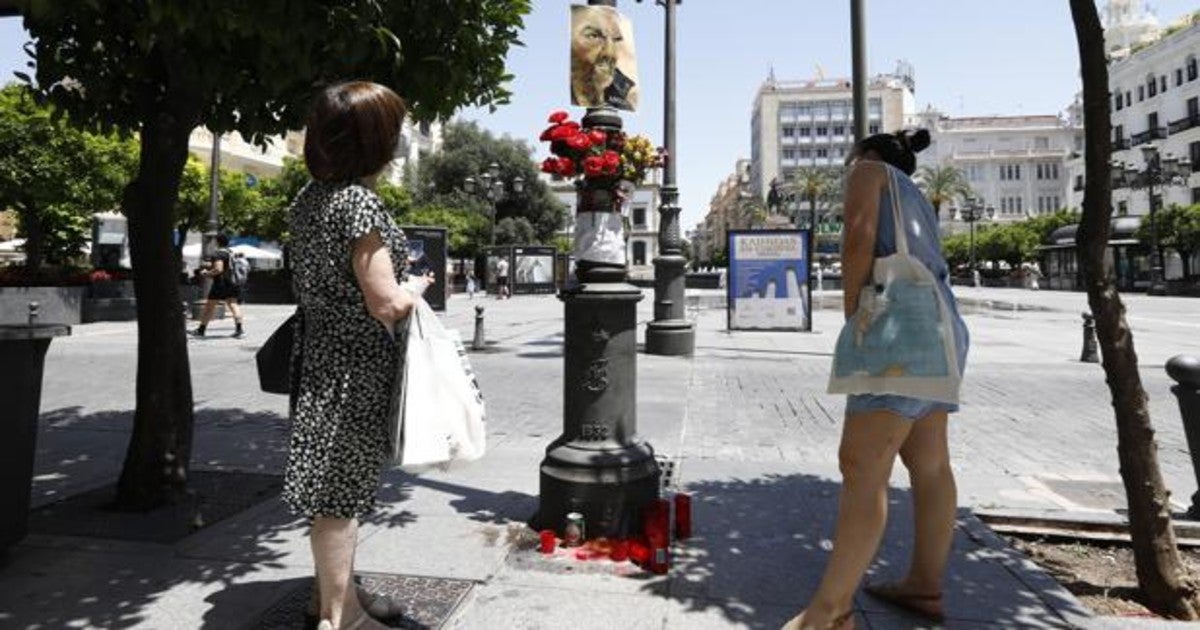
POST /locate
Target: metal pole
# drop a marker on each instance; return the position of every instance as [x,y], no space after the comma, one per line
[971,223]
[858,44]
[1157,269]
[1185,370]
[599,467]
[212,225]
[670,334]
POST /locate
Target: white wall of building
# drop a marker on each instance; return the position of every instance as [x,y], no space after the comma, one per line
[1015,164]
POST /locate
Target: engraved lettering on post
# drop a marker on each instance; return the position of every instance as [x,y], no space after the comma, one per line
[594,433]
[596,378]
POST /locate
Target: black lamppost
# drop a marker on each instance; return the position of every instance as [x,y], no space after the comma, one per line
[599,466]
[972,212]
[493,189]
[858,54]
[1160,171]
[670,334]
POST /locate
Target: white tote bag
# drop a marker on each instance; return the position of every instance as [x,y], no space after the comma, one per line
[441,408]
[901,339]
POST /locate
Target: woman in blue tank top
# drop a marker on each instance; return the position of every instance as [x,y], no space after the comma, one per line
[880,426]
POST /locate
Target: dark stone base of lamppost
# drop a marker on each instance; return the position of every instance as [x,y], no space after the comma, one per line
[599,467]
[670,334]
[1158,286]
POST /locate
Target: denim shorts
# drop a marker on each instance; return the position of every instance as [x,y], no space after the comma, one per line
[908,408]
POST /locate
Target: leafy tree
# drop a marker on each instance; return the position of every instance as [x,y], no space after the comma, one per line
[942,184]
[467,151]
[1178,229]
[1165,584]
[56,176]
[814,185]
[465,230]
[163,68]
[395,198]
[516,231]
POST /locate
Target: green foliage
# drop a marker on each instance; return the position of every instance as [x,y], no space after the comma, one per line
[1178,229]
[56,176]
[253,66]
[1014,242]
[466,230]
[467,151]
[942,184]
[564,244]
[515,231]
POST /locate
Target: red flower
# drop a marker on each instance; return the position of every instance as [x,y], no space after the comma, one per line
[566,167]
[612,159]
[564,131]
[559,117]
[548,134]
[580,142]
[593,166]
[550,165]
[598,137]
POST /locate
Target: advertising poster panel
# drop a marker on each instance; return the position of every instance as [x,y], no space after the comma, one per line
[768,286]
[533,269]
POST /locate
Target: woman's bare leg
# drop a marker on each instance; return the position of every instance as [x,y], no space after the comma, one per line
[333,543]
[870,442]
[926,454]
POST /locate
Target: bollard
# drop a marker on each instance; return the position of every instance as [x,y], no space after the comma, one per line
[34,309]
[479,342]
[1090,353]
[1185,370]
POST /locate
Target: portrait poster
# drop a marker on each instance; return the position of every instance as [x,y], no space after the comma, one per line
[494,256]
[426,253]
[534,269]
[603,59]
[768,281]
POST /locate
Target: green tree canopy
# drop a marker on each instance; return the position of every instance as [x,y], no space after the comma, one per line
[1178,229]
[56,176]
[467,151]
[165,67]
[942,184]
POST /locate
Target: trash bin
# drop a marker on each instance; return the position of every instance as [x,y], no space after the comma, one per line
[22,356]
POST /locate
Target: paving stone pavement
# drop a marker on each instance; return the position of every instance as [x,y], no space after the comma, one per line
[746,420]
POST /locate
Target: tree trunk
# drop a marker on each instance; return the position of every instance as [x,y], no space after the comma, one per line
[1165,586]
[156,464]
[31,225]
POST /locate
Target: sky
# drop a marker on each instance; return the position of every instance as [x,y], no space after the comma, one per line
[970,58]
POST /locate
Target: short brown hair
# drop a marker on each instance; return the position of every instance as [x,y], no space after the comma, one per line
[352,131]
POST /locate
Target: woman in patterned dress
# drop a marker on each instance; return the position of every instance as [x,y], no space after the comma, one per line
[348,262]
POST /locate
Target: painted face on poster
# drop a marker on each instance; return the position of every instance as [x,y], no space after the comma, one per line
[603,59]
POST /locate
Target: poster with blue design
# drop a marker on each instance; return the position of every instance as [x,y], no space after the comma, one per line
[768,285]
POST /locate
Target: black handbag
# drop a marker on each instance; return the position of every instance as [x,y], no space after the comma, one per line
[274,358]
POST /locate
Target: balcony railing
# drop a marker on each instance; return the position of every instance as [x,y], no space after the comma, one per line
[1184,124]
[1120,144]
[1157,133]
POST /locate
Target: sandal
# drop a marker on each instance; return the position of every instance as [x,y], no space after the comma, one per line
[927,606]
[835,624]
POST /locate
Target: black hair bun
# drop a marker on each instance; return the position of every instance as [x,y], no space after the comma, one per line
[918,140]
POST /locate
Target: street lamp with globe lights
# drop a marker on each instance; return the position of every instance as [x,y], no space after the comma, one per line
[492,187]
[971,213]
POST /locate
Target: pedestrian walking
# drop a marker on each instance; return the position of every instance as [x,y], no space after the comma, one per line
[503,292]
[471,284]
[228,275]
[348,260]
[886,214]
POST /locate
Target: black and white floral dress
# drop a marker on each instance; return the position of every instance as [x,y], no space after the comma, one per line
[348,360]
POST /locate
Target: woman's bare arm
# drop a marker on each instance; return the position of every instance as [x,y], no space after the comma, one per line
[864,183]
[386,301]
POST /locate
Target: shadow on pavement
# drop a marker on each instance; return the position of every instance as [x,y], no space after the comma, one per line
[761,544]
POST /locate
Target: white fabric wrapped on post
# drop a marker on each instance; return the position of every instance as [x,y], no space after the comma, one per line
[442,413]
[600,237]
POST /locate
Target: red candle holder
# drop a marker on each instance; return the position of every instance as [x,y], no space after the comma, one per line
[548,541]
[683,516]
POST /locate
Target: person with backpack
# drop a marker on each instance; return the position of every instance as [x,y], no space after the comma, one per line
[228,272]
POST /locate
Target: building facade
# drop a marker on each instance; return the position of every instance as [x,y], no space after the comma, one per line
[1155,91]
[727,209]
[798,124]
[1018,165]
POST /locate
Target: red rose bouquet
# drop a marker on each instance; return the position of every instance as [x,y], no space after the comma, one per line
[604,159]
